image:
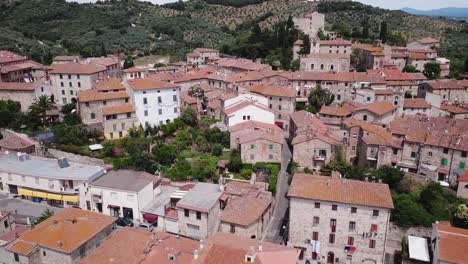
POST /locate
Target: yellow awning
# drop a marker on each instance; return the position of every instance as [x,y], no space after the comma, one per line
[25,192]
[39,194]
[52,196]
[71,198]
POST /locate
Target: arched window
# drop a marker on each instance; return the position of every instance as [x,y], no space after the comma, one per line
[93,115]
[332,67]
[321,66]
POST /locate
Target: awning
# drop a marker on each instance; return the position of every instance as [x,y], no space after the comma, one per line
[150,218]
[113,206]
[443,171]
[418,250]
[224,197]
[71,198]
[25,192]
[53,196]
[39,194]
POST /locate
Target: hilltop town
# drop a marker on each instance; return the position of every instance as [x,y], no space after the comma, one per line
[338,151]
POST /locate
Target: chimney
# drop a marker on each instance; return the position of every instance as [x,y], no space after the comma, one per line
[335,175]
[366,179]
[260,247]
[195,254]
[380,180]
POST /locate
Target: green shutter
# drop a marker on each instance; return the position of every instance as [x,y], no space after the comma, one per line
[271,146]
[444,161]
[462,165]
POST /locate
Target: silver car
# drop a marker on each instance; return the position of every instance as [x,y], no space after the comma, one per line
[146,226]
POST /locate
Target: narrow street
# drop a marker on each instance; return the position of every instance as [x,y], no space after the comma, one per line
[272,234]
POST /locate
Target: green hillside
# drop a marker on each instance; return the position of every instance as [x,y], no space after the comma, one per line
[141,28]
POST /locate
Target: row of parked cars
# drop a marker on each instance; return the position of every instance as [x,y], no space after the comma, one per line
[122,221]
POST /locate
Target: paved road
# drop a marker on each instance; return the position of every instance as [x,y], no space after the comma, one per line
[281,205]
[23,209]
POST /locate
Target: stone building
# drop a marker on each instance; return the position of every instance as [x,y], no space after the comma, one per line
[377,112]
[281,100]
[326,62]
[248,210]
[313,149]
[64,238]
[310,23]
[462,189]
[68,79]
[449,90]
[424,43]
[107,109]
[198,211]
[261,146]
[417,106]
[336,220]
[249,127]
[24,93]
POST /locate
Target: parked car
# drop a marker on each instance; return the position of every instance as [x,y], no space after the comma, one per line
[122,221]
[146,226]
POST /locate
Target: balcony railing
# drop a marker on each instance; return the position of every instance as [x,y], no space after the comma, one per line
[319,157]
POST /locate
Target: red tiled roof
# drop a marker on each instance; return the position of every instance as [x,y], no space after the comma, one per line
[149,84]
[109,84]
[314,187]
[336,42]
[244,210]
[241,105]
[15,86]
[447,84]
[117,109]
[93,95]
[8,56]
[417,103]
[452,243]
[378,108]
[253,125]
[232,249]
[65,231]
[15,142]
[340,111]
[271,90]
[135,246]
[76,68]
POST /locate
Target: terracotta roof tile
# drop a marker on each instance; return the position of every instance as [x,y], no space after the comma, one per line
[14,86]
[134,246]
[8,56]
[340,111]
[271,90]
[15,142]
[378,108]
[93,95]
[447,84]
[243,64]
[22,247]
[231,249]
[118,109]
[244,211]
[274,136]
[253,125]
[241,105]
[67,230]
[149,84]
[452,243]
[109,84]
[418,103]
[336,42]
[76,68]
[314,187]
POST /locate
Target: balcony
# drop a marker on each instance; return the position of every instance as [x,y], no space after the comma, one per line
[96,198]
[320,158]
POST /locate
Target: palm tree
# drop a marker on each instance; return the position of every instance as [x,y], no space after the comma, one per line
[46,214]
[41,105]
[319,97]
